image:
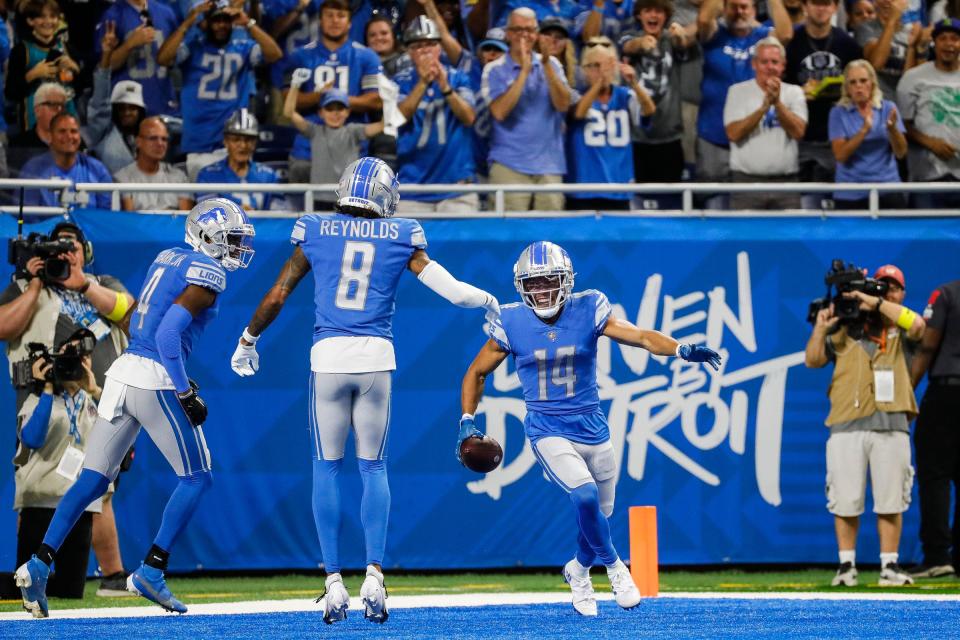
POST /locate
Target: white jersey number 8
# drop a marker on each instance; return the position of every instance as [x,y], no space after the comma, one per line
[351,272]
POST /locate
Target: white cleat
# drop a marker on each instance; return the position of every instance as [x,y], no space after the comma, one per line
[624,589]
[336,600]
[374,596]
[893,576]
[578,577]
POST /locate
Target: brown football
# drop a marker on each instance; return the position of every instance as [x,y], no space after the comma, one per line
[482,455]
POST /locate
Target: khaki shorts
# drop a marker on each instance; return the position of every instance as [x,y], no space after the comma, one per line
[886,453]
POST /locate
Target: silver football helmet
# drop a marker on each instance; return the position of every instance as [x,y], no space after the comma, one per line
[242,122]
[543,276]
[421,28]
[368,184]
[219,228]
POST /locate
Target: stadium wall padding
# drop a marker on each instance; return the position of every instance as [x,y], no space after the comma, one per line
[734,462]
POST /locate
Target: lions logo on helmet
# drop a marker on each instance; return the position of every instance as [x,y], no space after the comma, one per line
[220,229]
[543,276]
[421,28]
[368,186]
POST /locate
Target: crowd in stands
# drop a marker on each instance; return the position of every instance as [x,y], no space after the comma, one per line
[505,91]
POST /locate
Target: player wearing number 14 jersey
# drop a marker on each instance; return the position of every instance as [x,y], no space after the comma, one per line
[357,256]
[553,339]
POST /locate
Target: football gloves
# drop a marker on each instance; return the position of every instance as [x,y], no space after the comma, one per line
[299,77]
[697,353]
[193,406]
[467,430]
[245,360]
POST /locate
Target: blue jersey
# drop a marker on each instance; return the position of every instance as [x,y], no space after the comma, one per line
[172,271]
[600,149]
[557,363]
[257,173]
[85,169]
[305,29]
[141,64]
[352,68]
[433,146]
[356,264]
[216,82]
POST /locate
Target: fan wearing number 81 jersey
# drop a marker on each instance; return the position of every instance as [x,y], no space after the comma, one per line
[357,256]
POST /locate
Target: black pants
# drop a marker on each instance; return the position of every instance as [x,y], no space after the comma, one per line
[71,560]
[597,204]
[887,201]
[658,162]
[937,443]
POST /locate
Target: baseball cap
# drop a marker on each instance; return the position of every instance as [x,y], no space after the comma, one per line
[496,38]
[334,95]
[891,272]
[947,24]
[128,92]
[219,6]
[554,24]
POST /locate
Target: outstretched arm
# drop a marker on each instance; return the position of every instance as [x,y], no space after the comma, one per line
[434,276]
[657,343]
[193,301]
[246,360]
[292,273]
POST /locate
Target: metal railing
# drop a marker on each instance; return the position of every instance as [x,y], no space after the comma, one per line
[79,195]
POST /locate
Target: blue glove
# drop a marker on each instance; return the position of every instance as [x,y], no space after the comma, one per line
[696,353]
[467,430]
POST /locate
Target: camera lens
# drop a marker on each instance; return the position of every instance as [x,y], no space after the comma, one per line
[56,269]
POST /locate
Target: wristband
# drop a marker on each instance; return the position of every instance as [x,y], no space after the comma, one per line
[119,308]
[251,23]
[905,321]
[447,92]
[879,302]
[249,338]
[677,352]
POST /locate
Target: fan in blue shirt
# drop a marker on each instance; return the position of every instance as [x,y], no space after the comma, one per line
[337,62]
[553,339]
[434,146]
[141,32]
[65,161]
[240,138]
[217,64]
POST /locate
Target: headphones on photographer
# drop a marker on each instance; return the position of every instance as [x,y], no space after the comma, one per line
[74,228]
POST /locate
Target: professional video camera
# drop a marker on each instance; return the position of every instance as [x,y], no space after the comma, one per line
[844,278]
[67,360]
[55,269]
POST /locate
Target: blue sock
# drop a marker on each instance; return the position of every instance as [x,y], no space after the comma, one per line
[374,507]
[180,507]
[88,487]
[326,510]
[585,553]
[593,524]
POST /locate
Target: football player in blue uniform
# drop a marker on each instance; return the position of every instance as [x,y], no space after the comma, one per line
[553,339]
[148,387]
[217,64]
[357,256]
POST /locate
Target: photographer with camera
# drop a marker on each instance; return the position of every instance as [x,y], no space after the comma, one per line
[52,426]
[869,336]
[50,298]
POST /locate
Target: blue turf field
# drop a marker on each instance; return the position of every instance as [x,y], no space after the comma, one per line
[661,618]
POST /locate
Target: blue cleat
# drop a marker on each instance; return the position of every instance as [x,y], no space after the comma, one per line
[148,582]
[31,577]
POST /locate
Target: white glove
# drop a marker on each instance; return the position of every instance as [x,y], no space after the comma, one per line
[245,360]
[491,305]
[299,77]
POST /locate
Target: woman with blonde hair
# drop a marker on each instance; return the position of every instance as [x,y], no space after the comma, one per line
[599,139]
[867,137]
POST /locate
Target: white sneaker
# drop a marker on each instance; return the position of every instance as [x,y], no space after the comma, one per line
[624,589]
[893,576]
[374,596]
[336,600]
[584,602]
[846,576]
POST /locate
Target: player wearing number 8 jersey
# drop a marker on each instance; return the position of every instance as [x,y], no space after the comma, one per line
[553,339]
[357,256]
[148,387]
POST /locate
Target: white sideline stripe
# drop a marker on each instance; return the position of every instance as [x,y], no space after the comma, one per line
[451,600]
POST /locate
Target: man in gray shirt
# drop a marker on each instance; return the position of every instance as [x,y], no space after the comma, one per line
[152,143]
[927,97]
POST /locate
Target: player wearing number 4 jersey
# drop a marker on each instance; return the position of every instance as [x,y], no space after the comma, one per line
[357,256]
[553,338]
[148,387]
